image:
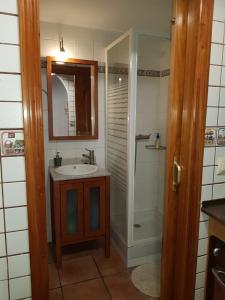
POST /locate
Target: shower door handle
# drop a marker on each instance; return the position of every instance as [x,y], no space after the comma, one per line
[176,175]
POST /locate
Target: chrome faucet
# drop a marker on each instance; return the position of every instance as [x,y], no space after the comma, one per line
[90,157]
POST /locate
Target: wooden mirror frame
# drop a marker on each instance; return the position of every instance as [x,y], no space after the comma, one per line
[94,65]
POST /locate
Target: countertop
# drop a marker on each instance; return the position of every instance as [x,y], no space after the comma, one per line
[59,177]
[215,209]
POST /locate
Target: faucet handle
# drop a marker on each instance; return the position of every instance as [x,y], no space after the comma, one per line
[89,150]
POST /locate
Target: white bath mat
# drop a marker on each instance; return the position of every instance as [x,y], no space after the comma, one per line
[146,278]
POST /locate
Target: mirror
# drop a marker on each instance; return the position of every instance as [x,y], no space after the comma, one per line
[72,99]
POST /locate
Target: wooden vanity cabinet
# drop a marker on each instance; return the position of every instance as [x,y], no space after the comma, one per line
[80,212]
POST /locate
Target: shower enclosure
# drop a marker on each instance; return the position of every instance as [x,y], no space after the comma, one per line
[137,73]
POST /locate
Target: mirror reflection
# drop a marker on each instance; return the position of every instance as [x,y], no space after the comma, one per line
[72,99]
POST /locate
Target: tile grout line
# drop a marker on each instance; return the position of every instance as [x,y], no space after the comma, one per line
[102,278]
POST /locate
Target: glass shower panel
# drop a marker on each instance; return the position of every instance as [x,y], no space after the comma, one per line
[151,122]
[117,75]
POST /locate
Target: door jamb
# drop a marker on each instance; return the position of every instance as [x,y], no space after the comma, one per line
[34,149]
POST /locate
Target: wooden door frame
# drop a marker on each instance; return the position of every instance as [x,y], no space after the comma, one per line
[190,64]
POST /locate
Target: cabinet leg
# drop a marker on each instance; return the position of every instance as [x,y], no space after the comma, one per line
[107,245]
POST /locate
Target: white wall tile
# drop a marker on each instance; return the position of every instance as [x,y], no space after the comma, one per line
[219,191]
[203,216]
[10,87]
[9,6]
[216,54]
[11,35]
[11,192]
[199,294]
[11,115]
[223,77]
[219,10]
[13,169]
[214,75]
[213,96]
[20,288]
[203,230]
[211,117]
[206,193]
[3,269]
[209,153]
[2,223]
[17,242]
[16,218]
[217,32]
[1,203]
[203,247]
[9,58]
[222,97]
[221,118]
[207,176]
[2,245]
[19,265]
[218,178]
[201,264]
[200,280]
[4,293]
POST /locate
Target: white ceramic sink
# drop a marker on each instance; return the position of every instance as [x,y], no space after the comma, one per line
[76,169]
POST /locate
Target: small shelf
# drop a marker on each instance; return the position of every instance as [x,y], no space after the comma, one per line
[152,147]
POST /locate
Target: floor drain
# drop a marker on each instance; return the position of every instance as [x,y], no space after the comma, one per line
[137,225]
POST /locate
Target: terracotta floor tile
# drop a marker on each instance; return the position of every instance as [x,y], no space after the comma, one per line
[53,276]
[121,288]
[78,269]
[55,294]
[111,265]
[88,290]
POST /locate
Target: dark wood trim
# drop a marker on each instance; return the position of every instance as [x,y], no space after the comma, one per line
[34,145]
[94,71]
[187,200]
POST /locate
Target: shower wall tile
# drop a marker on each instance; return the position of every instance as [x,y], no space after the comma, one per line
[10,87]
[2,245]
[3,269]
[4,293]
[9,59]
[209,156]
[17,242]
[222,97]
[19,265]
[20,288]
[213,96]
[216,54]
[11,192]
[9,6]
[218,32]
[11,36]
[2,222]
[16,219]
[13,169]
[11,115]
[211,117]
[219,10]
[214,75]
[219,191]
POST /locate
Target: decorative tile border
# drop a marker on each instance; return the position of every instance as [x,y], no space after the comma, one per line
[124,70]
[12,142]
[214,136]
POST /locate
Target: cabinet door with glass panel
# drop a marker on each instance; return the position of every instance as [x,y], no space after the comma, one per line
[95,208]
[71,212]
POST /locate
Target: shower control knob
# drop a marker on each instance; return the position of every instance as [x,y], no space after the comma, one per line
[216,251]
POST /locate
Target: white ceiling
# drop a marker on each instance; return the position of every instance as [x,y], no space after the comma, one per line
[152,16]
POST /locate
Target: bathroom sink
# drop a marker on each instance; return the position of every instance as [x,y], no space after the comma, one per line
[76,169]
